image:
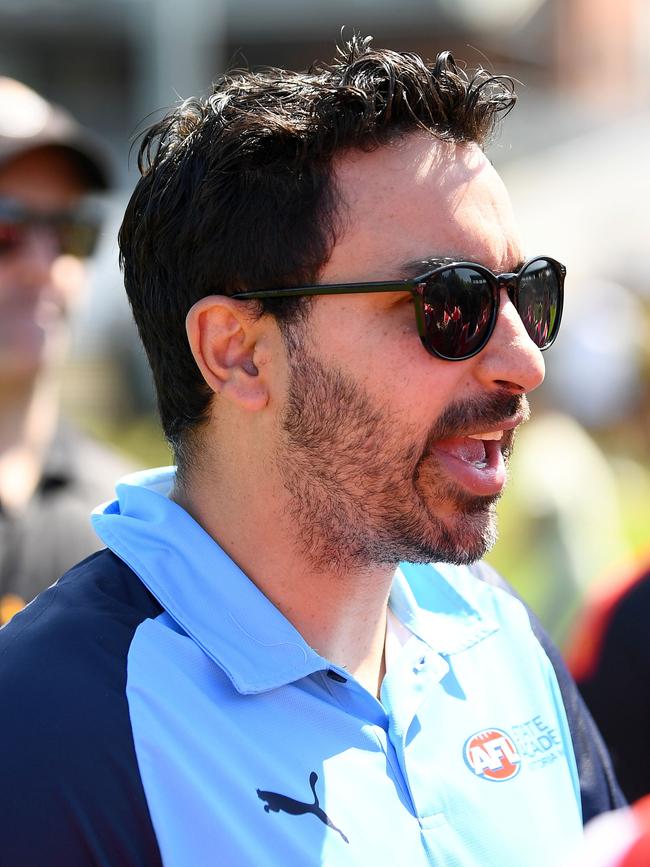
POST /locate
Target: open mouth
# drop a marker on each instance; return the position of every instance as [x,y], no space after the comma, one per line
[476,461]
[475,447]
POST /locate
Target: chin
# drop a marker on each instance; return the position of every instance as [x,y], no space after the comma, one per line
[464,536]
[479,537]
[460,538]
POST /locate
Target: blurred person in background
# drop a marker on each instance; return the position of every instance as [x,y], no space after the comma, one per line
[51,476]
[609,655]
[620,838]
[342,325]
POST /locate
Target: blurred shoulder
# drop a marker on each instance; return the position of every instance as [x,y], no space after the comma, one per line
[86,618]
[69,760]
[93,466]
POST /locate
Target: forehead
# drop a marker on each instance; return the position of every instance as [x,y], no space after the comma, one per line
[43,178]
[417,198]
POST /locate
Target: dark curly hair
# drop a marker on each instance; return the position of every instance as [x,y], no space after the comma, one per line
[236,189]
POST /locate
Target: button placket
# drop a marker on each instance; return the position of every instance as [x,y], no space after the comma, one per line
[415,681]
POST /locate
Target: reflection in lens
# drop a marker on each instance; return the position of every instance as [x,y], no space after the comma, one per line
[458,310]
[538,305]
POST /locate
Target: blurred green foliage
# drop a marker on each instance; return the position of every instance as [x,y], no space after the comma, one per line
[139,438]
[524,557]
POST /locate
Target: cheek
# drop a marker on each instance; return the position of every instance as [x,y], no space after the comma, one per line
[381,350]
[414,386]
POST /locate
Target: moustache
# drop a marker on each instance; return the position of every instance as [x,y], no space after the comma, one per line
[478,414]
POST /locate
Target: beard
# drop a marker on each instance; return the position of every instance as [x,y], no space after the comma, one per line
[363,490]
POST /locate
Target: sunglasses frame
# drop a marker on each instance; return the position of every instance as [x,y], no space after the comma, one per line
[85,217]
[416,286]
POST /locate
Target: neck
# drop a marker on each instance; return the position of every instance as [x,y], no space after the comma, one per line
[342,615]
[28,417]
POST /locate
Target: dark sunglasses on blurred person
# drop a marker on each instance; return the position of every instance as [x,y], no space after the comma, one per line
[75,230]
[457,303]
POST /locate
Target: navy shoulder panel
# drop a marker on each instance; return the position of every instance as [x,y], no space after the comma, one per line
[72,790]
[599,788]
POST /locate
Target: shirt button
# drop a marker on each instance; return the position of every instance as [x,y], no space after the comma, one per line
[419,665]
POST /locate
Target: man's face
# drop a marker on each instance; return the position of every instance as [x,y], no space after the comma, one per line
[379,450]
[37,284]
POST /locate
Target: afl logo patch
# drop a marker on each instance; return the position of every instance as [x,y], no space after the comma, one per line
[492,754]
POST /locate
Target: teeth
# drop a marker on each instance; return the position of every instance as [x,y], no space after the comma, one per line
[491,435]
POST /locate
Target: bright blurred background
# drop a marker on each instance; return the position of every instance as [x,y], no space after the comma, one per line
[575,154]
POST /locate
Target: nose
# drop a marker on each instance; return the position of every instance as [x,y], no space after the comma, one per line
[510,360]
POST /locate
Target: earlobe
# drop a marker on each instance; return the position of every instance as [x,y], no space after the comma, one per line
[222,337]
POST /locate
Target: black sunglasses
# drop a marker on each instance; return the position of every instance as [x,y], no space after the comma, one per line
[457,304]
[75,230]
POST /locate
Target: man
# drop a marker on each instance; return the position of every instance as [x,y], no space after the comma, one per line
[246,675]
[50,476]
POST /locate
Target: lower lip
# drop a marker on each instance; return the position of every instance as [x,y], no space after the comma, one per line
[483,480]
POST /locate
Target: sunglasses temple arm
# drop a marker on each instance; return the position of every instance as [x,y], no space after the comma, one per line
[326,289]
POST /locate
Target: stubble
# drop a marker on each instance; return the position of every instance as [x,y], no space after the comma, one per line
[363,489]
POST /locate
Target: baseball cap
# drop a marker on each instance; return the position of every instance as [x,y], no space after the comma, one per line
[28,121]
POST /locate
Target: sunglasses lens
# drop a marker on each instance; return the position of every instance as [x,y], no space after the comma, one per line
[459,308]
[10,236]
[539,303]
[77,237]
[74,237]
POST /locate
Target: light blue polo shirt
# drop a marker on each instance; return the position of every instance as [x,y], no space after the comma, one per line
[255,750]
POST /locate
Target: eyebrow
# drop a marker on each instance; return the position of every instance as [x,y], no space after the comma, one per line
[417,267]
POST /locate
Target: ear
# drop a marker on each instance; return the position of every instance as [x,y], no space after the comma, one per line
[223,336]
